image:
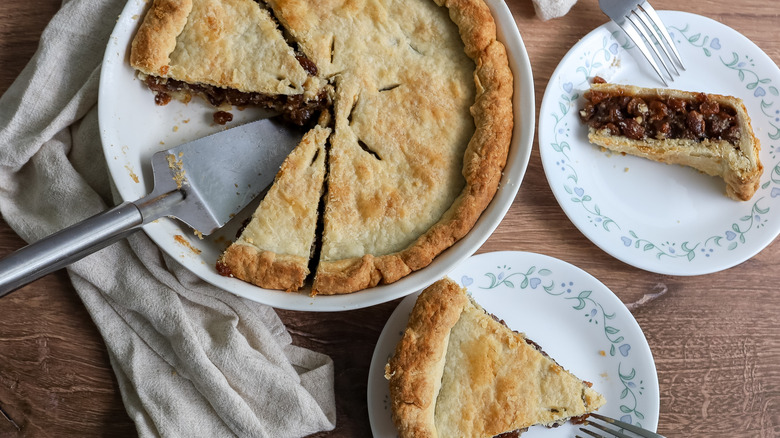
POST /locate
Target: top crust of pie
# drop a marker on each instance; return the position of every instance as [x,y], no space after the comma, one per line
[459,372]
[738,165]
[376,232]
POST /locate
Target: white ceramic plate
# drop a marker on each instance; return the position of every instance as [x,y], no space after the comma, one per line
[133,129]
[571,315]
[665,219]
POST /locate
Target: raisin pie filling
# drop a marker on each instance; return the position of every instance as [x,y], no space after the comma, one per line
[295,108]
[659,117]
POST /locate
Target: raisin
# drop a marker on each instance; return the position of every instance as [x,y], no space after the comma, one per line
[307,64]
[161,98]
[658,110]
[677,105]
[662,129]
[599,80]
[222,117]
[614,114]
[223,269]
[732,135]
[709,107]
[636,107]
[613,130]
[717,124]
[631,129]
[587,112]
[694,121]
[596,96]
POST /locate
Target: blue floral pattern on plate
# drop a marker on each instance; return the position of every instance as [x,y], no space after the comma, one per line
[575,318]
[736,230]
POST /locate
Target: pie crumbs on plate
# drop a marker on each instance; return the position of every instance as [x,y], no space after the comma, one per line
[419,102]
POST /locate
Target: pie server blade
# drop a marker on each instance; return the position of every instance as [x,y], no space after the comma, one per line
[203,183]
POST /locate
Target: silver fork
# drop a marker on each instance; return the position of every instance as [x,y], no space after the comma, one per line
[641,23]
[615,428]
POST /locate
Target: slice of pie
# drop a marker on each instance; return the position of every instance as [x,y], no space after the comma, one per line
[273,250]
[459,372]
[421,97]
[709,132]
[230,52]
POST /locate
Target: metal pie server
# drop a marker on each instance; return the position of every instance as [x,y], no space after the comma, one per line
[203,183]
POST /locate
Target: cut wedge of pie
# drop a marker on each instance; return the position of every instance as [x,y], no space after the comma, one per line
[459,372]
[230,52]
[421,99]
[273,249]
[709,132]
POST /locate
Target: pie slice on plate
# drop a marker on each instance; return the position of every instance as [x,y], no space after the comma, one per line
[459,372]
[709,132]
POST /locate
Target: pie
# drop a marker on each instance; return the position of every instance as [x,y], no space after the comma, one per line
[459,372]
[709,132]
[418,97]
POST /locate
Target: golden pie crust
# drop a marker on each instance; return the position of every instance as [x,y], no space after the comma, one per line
[273,249]
[421,126]
[226,43]
[457,371]
[739,165]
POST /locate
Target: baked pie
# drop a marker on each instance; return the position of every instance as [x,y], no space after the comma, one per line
[418,97]
[459,372]
[709,132]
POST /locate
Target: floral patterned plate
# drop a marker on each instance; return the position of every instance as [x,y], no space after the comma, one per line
[573,316]
[661,218]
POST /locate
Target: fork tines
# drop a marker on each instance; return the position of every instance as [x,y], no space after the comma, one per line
[615,428]
[648,31]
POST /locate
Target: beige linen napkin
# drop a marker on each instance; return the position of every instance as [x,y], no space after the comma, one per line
[549,9]
[190,359]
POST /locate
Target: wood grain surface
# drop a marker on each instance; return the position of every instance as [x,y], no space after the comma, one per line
[715,338]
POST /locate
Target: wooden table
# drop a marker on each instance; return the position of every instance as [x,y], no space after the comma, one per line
[715,338]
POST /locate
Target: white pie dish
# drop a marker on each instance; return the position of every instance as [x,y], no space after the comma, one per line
[133,128]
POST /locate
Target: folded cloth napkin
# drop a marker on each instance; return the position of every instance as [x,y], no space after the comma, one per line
[549,9]
[190,359]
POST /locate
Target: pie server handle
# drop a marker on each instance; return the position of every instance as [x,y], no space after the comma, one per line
[80,240]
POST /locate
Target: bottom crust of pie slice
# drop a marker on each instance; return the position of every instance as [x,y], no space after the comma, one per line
[458,371]
[274,248]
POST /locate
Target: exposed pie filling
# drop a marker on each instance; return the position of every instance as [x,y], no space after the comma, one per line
[512,434]
[296,108]
[660,118]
